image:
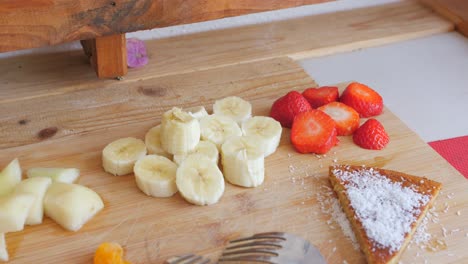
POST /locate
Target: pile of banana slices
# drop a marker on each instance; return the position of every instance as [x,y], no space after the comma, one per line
[182,153]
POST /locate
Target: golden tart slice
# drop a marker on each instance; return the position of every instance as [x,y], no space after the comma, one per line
[384,207]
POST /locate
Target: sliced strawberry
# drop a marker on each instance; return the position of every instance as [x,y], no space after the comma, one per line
[313,131]
[345,117]
[371,135]
[287,107]
[321,96]
[363,99]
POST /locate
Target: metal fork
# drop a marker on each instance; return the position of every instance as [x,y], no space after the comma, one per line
[188,259]
[274,248]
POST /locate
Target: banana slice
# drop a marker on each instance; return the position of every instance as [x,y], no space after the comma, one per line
[206,148]
[156,175]
[67,175]
[180,132]
[14,209]
[10,177]
[199,180]
[234,107]
[197,112]
[3,248]
[218,129]
[36,186]
[119,157]
[243,161]
[268,129]
[153,142]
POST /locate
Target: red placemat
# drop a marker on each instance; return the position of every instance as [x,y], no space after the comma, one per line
[455,151]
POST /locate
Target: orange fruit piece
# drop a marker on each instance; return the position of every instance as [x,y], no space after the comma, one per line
[109,253]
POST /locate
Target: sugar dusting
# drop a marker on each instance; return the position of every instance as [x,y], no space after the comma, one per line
[386,209]
[330,205]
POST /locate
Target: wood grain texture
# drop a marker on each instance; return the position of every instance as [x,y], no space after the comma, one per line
[41,76]
[33,23]
[153,229]
[455,10]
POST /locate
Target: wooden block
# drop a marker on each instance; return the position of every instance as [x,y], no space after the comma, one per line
[75,126]
[455,10]
[108,55]
[33,23]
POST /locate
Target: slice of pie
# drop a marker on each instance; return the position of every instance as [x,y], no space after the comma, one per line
[384,207]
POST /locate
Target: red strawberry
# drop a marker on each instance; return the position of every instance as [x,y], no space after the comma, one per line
[345,117]
[371,135]
[363,99]
[321,96]
[287,107]
[313,131]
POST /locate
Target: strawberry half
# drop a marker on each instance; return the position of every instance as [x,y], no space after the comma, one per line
[321,96]
[345,117]
[363,99]
[313,132]
[371,135]
[287,107]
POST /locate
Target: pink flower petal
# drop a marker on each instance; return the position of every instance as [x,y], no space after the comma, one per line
[136,53]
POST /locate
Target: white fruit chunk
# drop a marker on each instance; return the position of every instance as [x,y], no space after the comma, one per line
[14,210]
[199,180]
[218,129]
[234,107]
[268,129]
[10,177]
[119,157]
[180,132]
[3,248]
[67,175]
[206,148]
[71,205]
[36,186]
[155,176]
[153,142]
[197,112]
[243,161]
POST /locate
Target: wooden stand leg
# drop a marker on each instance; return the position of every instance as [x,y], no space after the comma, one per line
[108,55]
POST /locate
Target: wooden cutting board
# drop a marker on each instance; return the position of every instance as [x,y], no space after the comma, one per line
[70,129]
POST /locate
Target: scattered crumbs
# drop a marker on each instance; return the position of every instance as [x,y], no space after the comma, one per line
[455,230]
[450,254]
[321,166]
[466,234]
[417,254]
[331,240]
[265,189]
[289,155]
[334,152]
[446,207]
[345,262]
[318,156]
[302,202]
[444,231]
[335,160]
[324,155]
[334,249]
[422,181]
[450,195]
[458,212]
[425,261]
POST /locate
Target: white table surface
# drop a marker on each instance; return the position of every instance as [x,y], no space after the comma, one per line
[423,81]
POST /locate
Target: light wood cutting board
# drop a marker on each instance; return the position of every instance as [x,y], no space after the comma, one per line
[152,229]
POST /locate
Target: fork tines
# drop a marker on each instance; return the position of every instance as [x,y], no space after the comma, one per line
[259,247]
[188,259]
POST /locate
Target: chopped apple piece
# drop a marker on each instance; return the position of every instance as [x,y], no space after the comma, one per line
[71,205]
[14,210]
[36,186]
[9,177]
[67,175]
[3,248]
